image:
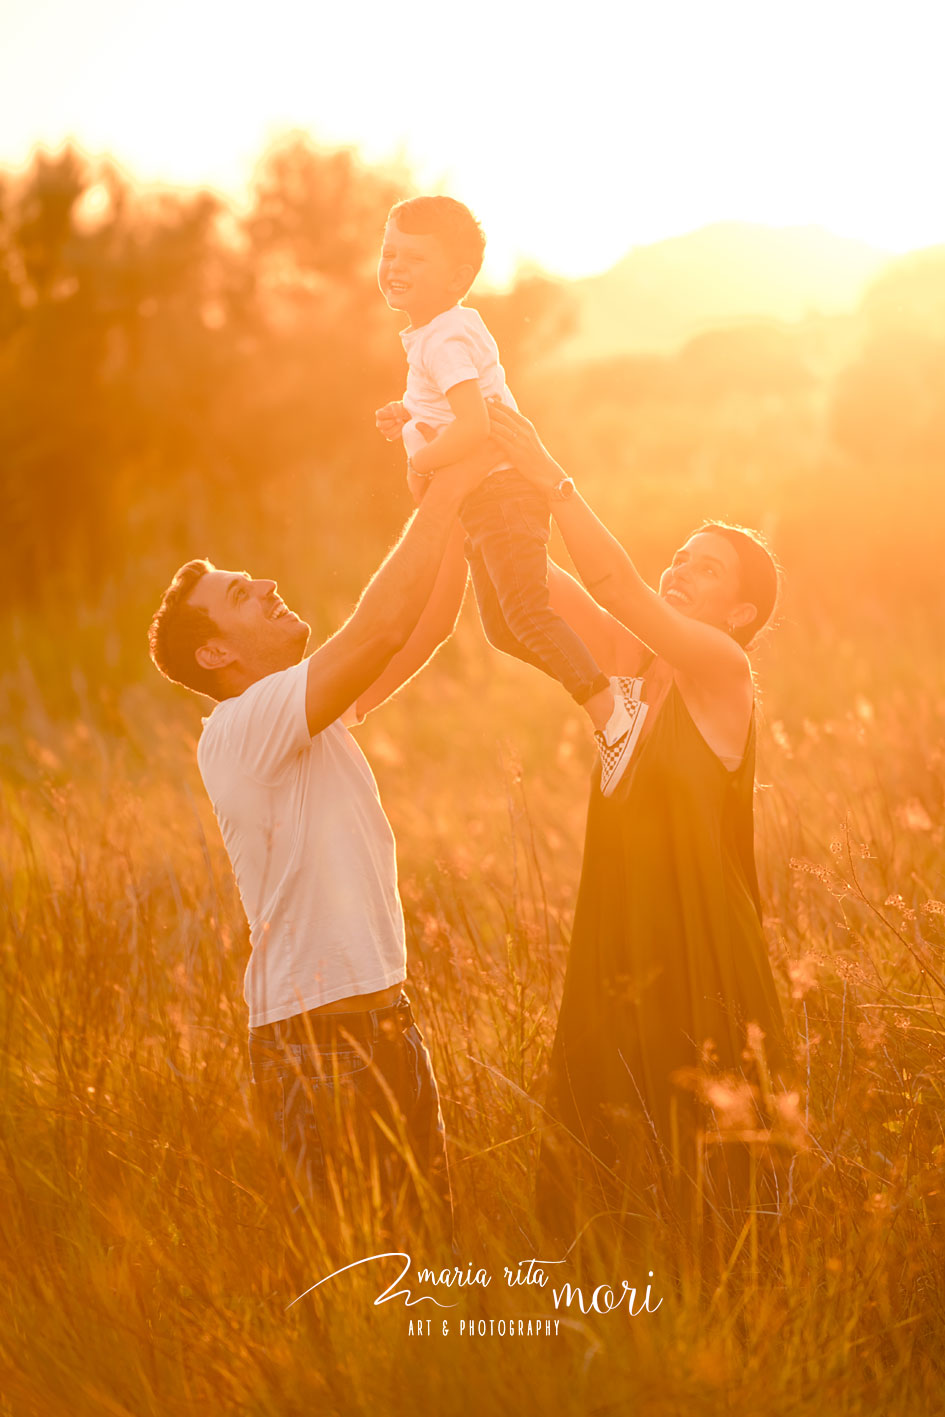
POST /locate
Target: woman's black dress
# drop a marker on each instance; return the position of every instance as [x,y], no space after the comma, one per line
[668,966]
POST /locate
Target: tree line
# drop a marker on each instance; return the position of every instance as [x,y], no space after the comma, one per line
[173,368]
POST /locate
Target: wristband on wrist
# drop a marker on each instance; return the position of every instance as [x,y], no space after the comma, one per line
[562,490]
[412,469]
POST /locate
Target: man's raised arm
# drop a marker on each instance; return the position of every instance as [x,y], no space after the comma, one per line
[436,623]
[392,602]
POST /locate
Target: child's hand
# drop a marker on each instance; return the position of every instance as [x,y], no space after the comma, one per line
[390,420]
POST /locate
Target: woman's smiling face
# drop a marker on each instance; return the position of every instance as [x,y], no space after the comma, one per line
[703,581]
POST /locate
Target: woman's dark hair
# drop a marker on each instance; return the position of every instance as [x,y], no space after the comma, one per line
[760,575]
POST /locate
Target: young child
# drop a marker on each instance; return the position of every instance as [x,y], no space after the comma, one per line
[431,254]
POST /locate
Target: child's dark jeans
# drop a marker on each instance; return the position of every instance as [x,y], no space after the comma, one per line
[507,526]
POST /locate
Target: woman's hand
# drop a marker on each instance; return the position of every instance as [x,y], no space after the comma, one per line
[520,443]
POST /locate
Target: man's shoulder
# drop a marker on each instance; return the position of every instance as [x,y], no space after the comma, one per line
[270,704]
[271,687]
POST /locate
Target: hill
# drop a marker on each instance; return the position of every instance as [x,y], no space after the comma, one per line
[659,296]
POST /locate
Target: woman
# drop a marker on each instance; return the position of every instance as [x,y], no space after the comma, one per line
[668,969]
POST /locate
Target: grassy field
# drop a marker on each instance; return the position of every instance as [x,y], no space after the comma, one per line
[146,1256]
[181,379]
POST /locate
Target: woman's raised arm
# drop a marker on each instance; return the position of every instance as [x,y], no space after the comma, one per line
[702,651]
[615,648]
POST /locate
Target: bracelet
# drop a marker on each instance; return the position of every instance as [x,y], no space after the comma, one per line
[562,490]
[412,470]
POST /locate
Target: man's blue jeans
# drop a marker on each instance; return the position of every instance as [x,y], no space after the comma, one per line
[507,526]
[352,1101]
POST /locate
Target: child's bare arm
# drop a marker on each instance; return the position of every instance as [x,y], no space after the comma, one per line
[469,429]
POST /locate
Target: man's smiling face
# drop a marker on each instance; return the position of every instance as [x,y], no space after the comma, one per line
[257,633]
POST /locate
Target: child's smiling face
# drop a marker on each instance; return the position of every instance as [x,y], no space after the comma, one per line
[418,275]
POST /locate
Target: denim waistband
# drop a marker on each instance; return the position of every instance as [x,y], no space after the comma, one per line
[322,1029]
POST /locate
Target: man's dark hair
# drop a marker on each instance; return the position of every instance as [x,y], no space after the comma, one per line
[449,221]
[179,629]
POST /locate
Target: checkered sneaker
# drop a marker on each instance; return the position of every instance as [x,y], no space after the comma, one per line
[615,756]
[626,689]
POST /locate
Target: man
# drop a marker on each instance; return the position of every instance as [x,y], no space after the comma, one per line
[340,1070]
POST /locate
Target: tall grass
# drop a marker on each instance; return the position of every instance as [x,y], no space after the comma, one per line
[150,1251]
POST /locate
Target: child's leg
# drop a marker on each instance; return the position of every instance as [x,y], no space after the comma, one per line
[508,525]
[507,521]
[494,625]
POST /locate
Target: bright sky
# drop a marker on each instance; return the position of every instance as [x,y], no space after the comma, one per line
[574,131]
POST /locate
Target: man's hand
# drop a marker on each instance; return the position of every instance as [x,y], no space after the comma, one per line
[390,420]
[418,482]
[417,485]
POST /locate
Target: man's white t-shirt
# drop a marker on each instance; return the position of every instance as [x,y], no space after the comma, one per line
[311,848]
[453,347]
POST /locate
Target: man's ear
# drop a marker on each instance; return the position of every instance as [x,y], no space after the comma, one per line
[213,655]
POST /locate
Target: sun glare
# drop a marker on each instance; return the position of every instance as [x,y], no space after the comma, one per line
[572,143]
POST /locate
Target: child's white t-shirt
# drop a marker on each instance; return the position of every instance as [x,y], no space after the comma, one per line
[311,848]
[453,347]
